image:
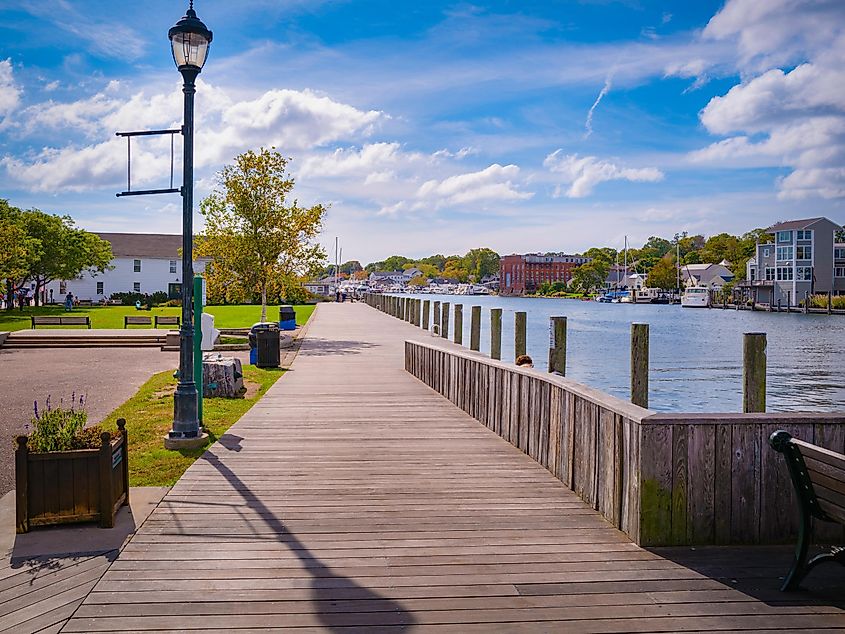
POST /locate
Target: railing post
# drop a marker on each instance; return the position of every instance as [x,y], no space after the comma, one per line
[475,329]
[754,372]
[829,302]
[495,332]
[557,349]
[459,324]
[639,364]
[426,314]
[444,320]
[519,321]
[22,485]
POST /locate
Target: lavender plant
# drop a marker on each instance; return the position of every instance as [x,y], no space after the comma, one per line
[58,428]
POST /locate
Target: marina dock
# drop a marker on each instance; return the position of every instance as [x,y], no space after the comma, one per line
[354,498]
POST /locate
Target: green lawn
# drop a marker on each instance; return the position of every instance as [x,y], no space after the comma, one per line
[112,316]
[149,415]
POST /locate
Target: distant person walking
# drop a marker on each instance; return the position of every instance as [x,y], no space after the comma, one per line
[69,302]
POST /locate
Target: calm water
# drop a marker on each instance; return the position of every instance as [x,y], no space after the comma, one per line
[696,354]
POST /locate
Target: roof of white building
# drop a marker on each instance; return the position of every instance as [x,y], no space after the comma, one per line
[143,245]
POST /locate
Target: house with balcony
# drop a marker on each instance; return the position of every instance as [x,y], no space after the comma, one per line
[805,257]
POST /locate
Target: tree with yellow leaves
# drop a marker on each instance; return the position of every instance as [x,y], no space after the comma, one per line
[257,239]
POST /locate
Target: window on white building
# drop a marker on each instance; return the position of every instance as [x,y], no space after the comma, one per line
[784,254]
[839,271]
[172,266]
[805,234]
[804,253]
[804,273]
[99,288]
[766,252]
[784,236]
[839,253]
[136,287]
[136,266]
[784,274]
[770,274]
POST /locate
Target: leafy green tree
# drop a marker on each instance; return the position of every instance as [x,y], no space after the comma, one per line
[603,254]
[591,275]
[664,274]
[64,251]
[419,280]
[18,250]
[438,261]
[395,263]
[257,238]
[481,263]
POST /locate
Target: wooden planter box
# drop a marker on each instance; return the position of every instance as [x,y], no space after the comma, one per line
[72,486]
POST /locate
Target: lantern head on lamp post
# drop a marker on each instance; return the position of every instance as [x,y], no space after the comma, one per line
[189,40]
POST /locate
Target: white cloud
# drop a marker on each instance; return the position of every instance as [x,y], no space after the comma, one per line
[293,121]
[583,174]
[777,32]
[10,92]
[588,124]
[778,118]
[492,183]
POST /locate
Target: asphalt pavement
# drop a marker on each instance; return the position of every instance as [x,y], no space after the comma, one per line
[107,376]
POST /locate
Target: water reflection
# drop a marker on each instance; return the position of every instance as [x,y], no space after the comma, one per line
[696,354]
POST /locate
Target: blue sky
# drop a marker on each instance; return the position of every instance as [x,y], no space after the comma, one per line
[442,126]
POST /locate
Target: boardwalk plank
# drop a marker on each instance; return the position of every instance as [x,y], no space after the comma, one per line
[359,500]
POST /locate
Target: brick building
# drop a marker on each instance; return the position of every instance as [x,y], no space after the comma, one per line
[519,274]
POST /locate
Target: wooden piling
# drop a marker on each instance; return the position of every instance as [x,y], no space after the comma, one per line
[519,322]
[436,317]
[829,302]
[754,372]
[495,332]
[639,364]
[426,313]
[557,345]
[459,324]
[418,314]
[475,329]
[444,320]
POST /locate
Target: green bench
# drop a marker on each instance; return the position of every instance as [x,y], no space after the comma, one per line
[129,320]
[818,476]
[167,320]
[60,320]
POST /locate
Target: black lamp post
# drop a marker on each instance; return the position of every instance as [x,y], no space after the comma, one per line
[190,39]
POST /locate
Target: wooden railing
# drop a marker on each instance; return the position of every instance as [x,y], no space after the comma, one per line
[662,479]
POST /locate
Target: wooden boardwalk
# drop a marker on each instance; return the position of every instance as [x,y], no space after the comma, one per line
[344,502]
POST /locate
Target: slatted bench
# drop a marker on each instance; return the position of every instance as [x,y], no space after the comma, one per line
[60,320]
[130,320]
[818,476]
[166,320]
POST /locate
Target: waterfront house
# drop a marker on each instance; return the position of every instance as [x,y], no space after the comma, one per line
[519,274]
[324,287]
[142,263]
[805,256]
[620,277]
[387,277]
[712,276]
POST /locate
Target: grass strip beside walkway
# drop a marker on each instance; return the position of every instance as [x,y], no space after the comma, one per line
[149,416]
[111,317]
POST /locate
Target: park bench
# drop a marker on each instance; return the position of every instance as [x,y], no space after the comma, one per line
[166,320]
[129,320]
[818,476]
[58,320]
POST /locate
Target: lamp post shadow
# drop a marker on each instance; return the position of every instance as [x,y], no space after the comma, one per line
[328,587]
